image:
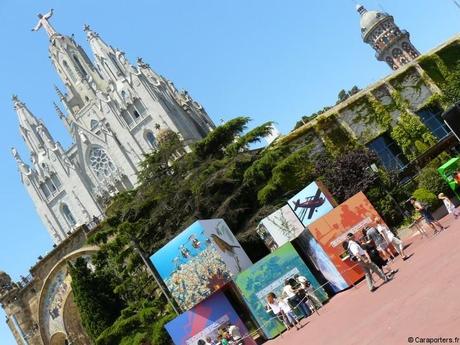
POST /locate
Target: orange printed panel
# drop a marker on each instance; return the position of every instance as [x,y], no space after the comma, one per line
[331,230]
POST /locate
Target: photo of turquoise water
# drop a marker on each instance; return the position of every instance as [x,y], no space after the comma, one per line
[268,275]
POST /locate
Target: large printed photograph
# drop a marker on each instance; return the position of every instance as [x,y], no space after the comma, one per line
[321,261]
[199,261]
[331,231]
[205,321]
[268,276]
[281,227]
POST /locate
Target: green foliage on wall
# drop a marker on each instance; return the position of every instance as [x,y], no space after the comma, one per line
[434,67]
[451,88]
[450,55]
[412,136]
[335,137]
[381,113]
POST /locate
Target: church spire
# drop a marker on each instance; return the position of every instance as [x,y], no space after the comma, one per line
[33,130]
[110,60]
[25,116]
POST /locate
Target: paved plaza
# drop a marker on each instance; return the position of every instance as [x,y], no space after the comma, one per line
[421,301]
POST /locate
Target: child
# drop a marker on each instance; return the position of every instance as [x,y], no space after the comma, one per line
[449,205]
[282,310]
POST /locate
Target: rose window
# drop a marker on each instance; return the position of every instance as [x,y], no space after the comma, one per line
[101,163]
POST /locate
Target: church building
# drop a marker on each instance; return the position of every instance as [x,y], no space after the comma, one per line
[114,112]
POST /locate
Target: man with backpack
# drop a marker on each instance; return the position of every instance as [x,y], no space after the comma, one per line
[364,261]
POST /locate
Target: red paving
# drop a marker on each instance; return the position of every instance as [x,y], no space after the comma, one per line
[423,300]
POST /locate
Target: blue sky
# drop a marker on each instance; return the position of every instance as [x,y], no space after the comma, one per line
[267,59]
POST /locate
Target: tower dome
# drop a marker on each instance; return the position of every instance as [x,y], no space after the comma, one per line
[391,44]
[369,19]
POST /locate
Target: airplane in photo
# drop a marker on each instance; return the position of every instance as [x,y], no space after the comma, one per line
[311,203]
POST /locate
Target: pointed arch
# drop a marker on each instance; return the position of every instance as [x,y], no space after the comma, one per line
[115,63]
[68,70]
[150,139]
[68,216]
[94,124]
[79,65]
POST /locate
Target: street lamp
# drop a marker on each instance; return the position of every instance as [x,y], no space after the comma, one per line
[373,168]
[155,276]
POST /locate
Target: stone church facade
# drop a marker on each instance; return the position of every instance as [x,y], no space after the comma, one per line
[114,112]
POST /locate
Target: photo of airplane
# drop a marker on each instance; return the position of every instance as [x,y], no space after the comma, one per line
[310,203]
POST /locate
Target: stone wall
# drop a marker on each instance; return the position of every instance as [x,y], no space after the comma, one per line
[23,303]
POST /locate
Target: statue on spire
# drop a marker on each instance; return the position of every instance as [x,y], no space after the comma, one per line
[43,22]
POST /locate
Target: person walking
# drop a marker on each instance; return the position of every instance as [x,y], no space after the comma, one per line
[426,214]
[390,238]
[364,261]
[449,205]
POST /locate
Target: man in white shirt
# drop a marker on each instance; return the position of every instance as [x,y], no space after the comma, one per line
[365,262]
[390,238]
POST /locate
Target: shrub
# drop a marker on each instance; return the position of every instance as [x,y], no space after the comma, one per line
[425,196]
[430,179]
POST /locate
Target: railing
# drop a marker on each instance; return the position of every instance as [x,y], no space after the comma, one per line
[24,281]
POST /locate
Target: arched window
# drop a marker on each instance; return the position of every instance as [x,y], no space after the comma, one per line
[50,186]
[69,70]
[115,63]
[397,53]
[80,66]
[391,62]
[128,119]
[399,56]
[68,215]
[94,124]
[151,140]
[409,49]
[45,190]
[107,67]
[101,164]
[139,107]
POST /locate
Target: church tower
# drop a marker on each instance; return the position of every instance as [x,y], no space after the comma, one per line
[391,44]
[114,112]
[56,185]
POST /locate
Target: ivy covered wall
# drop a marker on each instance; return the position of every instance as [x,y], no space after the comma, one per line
[390,106]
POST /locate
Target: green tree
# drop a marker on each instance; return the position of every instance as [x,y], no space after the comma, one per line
[98,305]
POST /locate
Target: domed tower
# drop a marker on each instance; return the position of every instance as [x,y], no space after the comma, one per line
[391,44]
